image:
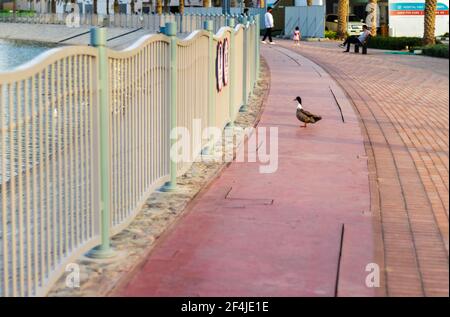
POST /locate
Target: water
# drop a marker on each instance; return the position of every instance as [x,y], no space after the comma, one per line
[14,53]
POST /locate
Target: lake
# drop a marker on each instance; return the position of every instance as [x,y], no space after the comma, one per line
[14,53]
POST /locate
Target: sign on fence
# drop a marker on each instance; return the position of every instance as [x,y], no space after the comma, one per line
[219,66]
[222,64]
[226,61]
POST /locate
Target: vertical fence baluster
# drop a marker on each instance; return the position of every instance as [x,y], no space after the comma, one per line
[4,130]
[257,45]
[209,26]
[244,68]
[231,70]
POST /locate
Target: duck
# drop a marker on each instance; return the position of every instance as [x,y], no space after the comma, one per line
[305,116]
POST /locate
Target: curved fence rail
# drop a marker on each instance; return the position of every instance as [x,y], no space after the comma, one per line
[51,113]
[186,23]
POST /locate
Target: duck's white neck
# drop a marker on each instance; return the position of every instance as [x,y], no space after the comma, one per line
[299,105]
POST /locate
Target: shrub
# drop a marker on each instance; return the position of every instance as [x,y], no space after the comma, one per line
[331,35]
[394,43]
[438,50]
[19,13]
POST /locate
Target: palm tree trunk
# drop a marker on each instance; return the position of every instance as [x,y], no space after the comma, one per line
[429,22]
[181,6]
[166,6]
[342,18]
[372,17]
[159,7]
[14,10]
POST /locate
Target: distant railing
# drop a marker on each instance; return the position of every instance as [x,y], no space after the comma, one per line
[85,139]
[186,23]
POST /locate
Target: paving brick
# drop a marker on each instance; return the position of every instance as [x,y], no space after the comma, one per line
[403,104]
[291,247]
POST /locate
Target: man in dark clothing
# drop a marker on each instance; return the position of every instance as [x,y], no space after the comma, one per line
[357,40]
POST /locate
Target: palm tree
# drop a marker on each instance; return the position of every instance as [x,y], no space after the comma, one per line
[159,7]
[14,10]
[181,7]
[166,6]
[342,18]
[429,22]
[373,17]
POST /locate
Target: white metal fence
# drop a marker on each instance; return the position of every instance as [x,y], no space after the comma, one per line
[48,166]
[51,167]
[186,23]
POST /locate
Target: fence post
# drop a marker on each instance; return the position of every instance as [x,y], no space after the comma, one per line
[104,250]
[253,50]
[257,43]
[231,65]
[209,26]
[171,31]
[182,22]
[244,106]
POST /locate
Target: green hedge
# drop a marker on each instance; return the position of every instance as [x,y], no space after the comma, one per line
[394,43]
[331,35]
[438,50]
[19,13]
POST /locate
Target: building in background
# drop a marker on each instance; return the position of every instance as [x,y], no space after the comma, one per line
[406,17]
[395,18]
[398,17]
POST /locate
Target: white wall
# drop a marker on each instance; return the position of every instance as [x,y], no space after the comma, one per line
[406,17]
[302,3]
[309,19]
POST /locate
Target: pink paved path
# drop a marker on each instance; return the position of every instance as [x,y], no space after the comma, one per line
[305,230]
[403,104]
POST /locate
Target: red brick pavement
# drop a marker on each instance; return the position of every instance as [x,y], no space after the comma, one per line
[403,103]
[305,230]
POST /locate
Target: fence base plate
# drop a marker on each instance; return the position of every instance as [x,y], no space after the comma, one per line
[168,187]
[100,253]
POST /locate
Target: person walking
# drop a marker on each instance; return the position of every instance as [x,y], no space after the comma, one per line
[297,36]
[268,21]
